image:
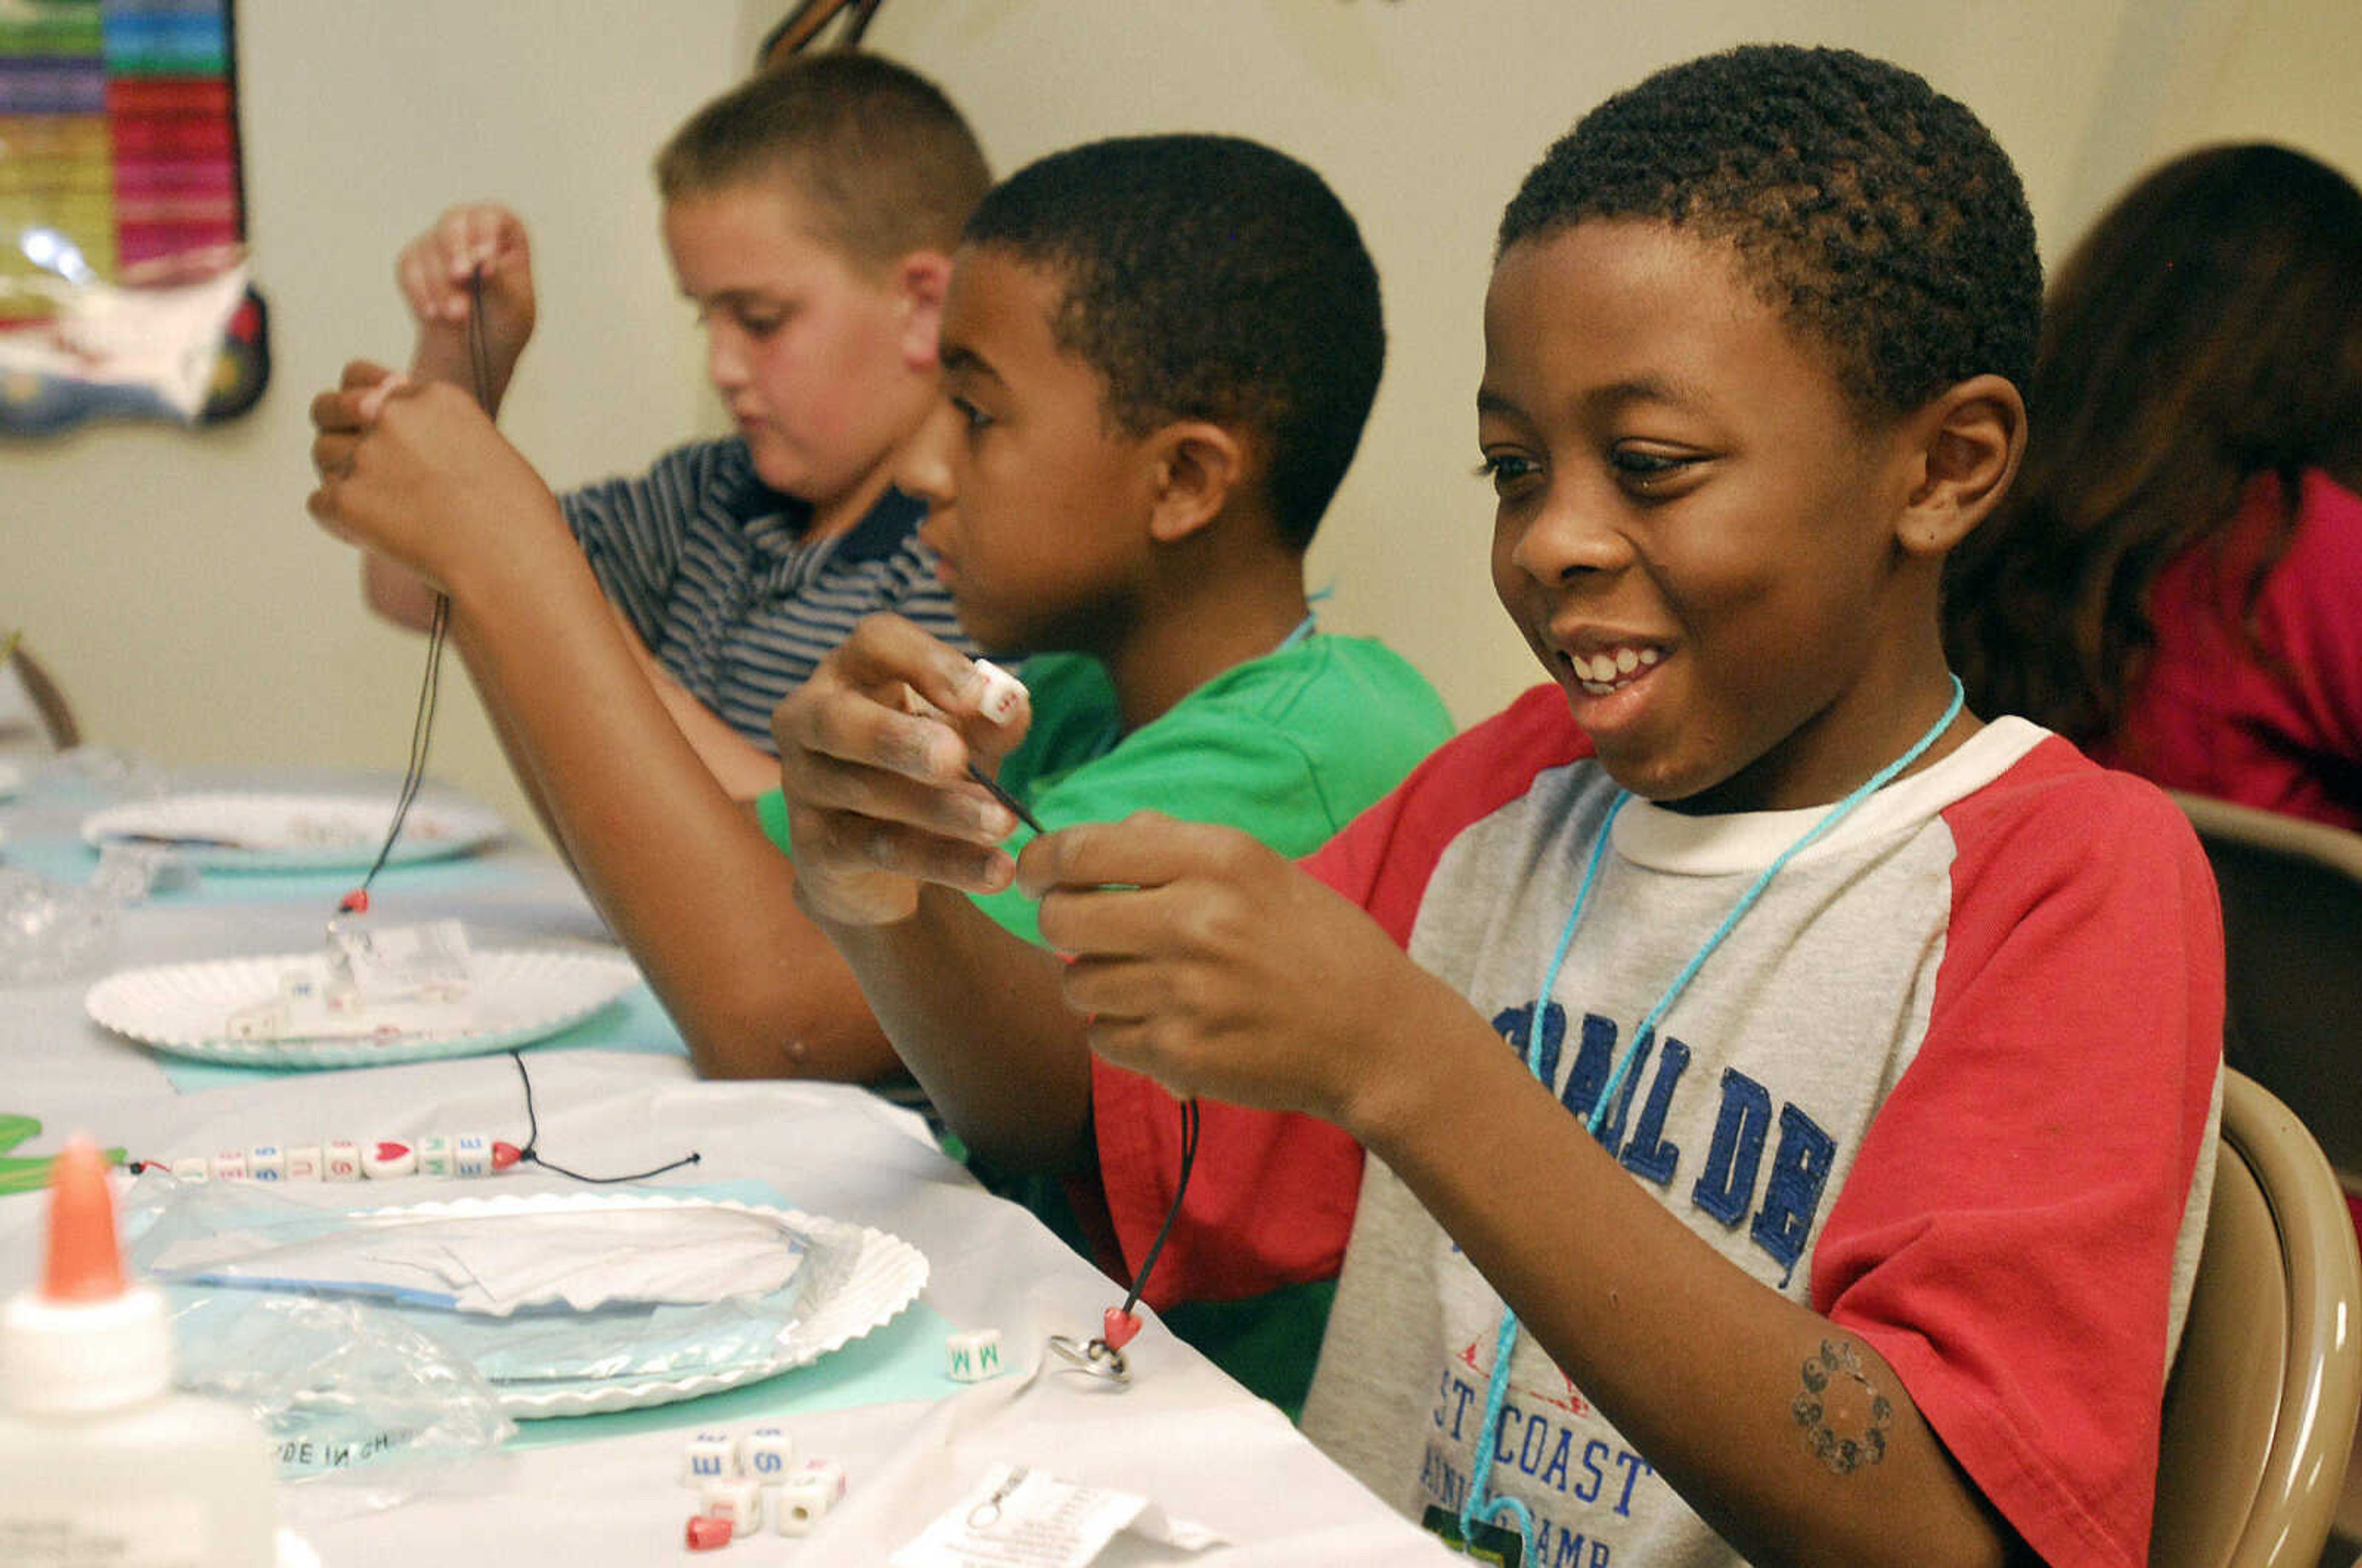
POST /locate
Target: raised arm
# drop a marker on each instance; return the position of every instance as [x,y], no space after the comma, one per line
[434,272]
[681,871]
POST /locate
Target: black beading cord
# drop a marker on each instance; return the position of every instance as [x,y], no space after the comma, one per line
[422,723]
[529,1155]
[1180,1191]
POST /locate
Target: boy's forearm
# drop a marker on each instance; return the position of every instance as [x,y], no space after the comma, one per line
[1698,1364]
[744,770]
[682,875]
[975,1013]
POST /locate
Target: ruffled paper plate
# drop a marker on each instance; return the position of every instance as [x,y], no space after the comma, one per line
[293,833]
[521,995]
[851,1281]
[855,1280]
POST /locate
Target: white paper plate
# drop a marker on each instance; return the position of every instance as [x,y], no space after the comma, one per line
[12,779]
[858,1280]
[521,995]
[294,833]
[851,1281]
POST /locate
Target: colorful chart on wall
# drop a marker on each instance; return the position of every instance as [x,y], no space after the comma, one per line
[123,281]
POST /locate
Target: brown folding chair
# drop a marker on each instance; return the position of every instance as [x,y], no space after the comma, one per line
[2260,1410]
[2292,937]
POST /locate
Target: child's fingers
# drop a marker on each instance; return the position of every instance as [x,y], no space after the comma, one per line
[417,274]
[1147,849]
[886,653]
[963,812]
[901,849]
[373,402]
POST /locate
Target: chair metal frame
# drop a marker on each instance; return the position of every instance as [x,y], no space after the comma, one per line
[2260,1410]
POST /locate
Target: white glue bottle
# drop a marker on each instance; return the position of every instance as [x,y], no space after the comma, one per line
[100,1459]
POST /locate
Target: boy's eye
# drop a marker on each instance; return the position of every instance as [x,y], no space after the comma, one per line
[970,415]
[1646,470]
[1507,470]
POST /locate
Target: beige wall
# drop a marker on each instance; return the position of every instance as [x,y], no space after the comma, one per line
[176,583]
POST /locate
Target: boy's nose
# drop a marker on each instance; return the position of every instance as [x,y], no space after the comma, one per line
[1567,538]
[726,361]
[925,469]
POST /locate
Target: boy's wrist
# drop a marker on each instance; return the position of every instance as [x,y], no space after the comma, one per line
[1430,1053]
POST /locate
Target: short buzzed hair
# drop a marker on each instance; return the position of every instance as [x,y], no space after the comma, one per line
[1208,277]
[1877,216]
[880,157]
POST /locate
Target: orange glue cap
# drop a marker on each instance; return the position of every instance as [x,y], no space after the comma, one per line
[83,1262]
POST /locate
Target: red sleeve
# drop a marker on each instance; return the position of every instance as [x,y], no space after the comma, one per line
[2006,1238]
[1270,1199]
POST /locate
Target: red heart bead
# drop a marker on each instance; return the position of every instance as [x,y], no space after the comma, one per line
[1117,1327]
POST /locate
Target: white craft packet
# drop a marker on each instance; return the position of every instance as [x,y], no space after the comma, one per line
[1022,1518]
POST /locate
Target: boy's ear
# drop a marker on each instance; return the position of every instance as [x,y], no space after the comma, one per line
[1199,466]
[922,279]
[1969,440]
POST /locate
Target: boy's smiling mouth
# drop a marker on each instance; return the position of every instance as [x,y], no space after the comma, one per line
[1609,670]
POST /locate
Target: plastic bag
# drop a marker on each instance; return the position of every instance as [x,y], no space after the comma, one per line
[363,1411]
[49,932]
[193,1232]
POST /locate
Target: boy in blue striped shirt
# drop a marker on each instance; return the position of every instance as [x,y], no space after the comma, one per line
[808,214]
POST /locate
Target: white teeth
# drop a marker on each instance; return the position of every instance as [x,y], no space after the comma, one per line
[1607,669]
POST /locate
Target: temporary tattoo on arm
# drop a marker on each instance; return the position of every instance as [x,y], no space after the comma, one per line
[1843,1415]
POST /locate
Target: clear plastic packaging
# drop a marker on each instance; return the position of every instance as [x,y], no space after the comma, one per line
[234,1227]
[49,932]
[363,1411]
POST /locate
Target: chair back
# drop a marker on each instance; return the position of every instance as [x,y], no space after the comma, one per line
[2260,1410]
[2293,945]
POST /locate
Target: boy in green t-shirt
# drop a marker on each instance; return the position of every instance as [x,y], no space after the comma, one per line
[1158,356]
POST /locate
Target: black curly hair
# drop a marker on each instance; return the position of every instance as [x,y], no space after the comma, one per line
[1208,277]
[1877,216]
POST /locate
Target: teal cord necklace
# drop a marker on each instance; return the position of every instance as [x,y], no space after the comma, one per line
[1480,1503]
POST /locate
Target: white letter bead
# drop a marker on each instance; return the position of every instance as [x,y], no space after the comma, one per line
[1004,694]
[192,1167]
[302,1165]
[710,1456]
[341,1160]
[266,1162]
[813,1488]
[973,1355]
[229,1167]
[736,1499]
[766,1453]
[471,1155]
[435,1156]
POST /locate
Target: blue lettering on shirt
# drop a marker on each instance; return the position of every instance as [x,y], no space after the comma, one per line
[1727,1188]
[1648,1154]
[1799,1170]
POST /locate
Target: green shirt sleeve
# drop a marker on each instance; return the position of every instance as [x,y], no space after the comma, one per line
[771,815]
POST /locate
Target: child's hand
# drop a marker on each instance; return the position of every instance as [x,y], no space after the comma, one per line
[873,752]
[1212,964]
[434,271]
[417,473]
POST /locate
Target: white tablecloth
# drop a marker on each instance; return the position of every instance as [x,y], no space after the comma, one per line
[1181,1433]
